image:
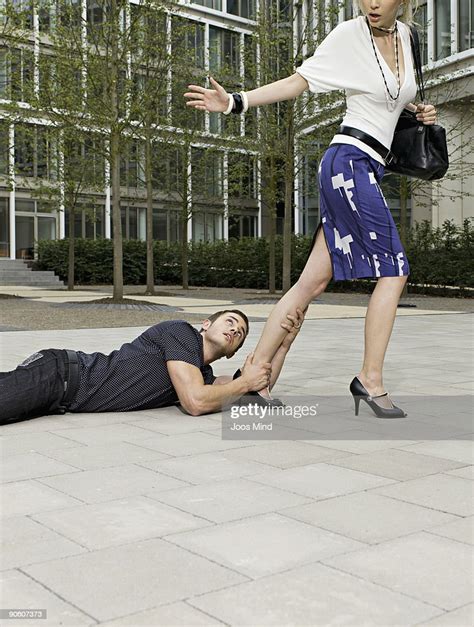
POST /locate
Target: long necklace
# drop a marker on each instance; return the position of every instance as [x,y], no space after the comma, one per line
[395,31]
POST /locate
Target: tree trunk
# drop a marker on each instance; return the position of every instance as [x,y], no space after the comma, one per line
[289,182]
[150,274]
[70,268]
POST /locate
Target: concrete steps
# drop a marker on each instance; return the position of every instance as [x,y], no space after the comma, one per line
[17,272]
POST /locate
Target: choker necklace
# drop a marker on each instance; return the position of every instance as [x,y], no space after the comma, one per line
[390,31]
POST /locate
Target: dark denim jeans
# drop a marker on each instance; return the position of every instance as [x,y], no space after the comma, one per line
[35,388]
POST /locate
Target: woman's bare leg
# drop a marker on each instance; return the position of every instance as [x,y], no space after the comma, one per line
[313,281]
[379,321]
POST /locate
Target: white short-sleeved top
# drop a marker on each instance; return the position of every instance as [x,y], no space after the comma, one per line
[345,60]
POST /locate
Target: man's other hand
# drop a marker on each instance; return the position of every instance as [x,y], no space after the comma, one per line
[293,326]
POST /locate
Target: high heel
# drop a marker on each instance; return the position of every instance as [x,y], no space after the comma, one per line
[359,393]
[256,398]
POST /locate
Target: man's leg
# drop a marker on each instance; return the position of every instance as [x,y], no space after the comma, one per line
[33,388]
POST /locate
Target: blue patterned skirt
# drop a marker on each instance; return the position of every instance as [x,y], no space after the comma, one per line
[360,232]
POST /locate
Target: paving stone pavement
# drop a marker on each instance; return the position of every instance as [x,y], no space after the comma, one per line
[154,518]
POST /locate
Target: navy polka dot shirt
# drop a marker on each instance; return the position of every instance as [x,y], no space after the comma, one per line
[135,376]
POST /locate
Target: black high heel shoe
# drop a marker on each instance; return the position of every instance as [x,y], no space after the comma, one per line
[359,393]
[254,398]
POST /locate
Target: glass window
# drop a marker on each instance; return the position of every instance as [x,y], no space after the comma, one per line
[348,9]
[132,223]
[46,228]
[4,82]
[23,204]
[224,51]
[131,166]
[466,24]
[421,19]
[187,41]
[198,227]
[242,170]
[175,226]
[242,226]
[160,226]
[25,236]
[4,134]
[21,13]
[207,168]
[24,150]
[243,8]
[442,28]
[210,4]
[35,152]
[4,228]
[45,9]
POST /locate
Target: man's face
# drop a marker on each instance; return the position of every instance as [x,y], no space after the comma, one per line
[228,332]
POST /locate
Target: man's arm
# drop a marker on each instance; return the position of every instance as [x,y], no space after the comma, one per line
[198,398]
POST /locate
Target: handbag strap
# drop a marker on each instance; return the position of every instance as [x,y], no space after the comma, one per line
[415,47]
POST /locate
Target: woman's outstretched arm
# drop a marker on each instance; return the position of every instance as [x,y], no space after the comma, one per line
[217,99]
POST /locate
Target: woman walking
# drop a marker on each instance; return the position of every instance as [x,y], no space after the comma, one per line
[369,57]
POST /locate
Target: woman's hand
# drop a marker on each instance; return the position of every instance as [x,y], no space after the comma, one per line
[293,327]
[426,113]
[215,100]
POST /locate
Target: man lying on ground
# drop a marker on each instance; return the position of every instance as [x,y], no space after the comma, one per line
[167,363]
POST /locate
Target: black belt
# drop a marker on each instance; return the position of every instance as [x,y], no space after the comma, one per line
[71,379]
[386,154]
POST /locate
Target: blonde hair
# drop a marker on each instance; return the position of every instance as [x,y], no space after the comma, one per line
[409,8]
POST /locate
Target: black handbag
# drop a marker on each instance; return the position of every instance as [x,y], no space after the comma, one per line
[419,150]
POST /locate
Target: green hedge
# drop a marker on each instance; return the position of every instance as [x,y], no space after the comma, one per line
[442,256]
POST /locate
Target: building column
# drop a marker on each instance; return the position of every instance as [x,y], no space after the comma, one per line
[259,187]
[225,173]
[107,219]
[296,176]
[189,199]
[11,177]
[62,208]
[431,31]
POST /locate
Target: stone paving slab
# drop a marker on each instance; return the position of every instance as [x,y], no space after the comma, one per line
[174,615]
[320,481]
[22,592]
[107,484]
[442,492]
[461,530]
[27,541]
[371,518]
[150,518]
[111,582]
[121,521]
[206,467]
[424,566]
[457,618]
[313,595]
[249,546]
